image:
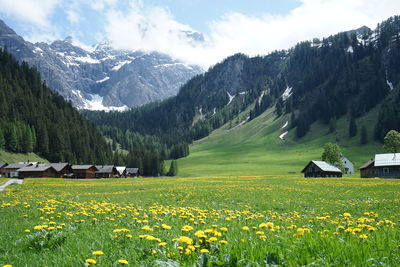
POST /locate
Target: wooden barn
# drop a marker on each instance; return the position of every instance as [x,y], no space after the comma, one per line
[383,166]
[367,170]
[11,170]
[62,169]
[132,172]
[37,171]
[321,169]
[2,166]
[84,171]
[106,171]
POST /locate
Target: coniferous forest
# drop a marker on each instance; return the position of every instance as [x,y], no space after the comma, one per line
[349,73]
[35,119]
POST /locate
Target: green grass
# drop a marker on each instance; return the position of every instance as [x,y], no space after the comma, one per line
[255,149]
[19,157]
[342,222]
[3,180]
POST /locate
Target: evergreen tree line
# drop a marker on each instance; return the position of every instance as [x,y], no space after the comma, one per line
[34,119]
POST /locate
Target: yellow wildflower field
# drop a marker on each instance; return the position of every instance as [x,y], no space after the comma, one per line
[201,221]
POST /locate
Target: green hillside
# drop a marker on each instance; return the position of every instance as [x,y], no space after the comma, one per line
[19,157]
[255,149]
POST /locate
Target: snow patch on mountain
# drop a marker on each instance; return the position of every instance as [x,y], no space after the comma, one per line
[231,97]
[103,80]
[282,136]
[350,49]
[96,103]
[288,92]
[121,64]
[285,125]
[390,85]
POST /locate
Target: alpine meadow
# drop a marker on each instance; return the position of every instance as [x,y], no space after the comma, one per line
[134,152]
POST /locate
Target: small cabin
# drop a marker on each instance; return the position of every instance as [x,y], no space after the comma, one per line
[321,169]
[2,166]
[132,172]
[383,166]
[367,170]
[121,171]
[348,165]
[37,171]
[62,169]
[106,171]
[84,171]
[11,171]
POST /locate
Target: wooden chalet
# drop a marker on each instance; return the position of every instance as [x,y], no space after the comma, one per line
[37,171]
[84,171]
[367,170]
[11,170]
[106,171]
[321,169]
[121,171]
[62,169]
[383,166]
[132,172]
[2,166]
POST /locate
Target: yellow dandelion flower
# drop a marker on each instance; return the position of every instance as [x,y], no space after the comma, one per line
[161,244]
[165,227]
[187,228]
[245,228]
[90,262]
[223,242]
[7,265]
[204,250]
[224,229]
[98,252]
[27,231]
[122,261]
[364,236]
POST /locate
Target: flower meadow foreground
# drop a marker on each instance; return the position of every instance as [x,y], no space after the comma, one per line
[218,221]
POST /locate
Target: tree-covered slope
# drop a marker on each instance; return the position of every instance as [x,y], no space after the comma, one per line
[34,119]
[321,82]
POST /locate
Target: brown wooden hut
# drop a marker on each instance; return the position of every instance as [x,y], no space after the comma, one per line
[367,170]
[321,169]
[11,170]
[2,166]
[132,172]
[63,169]
[84,171]
[106,171]
[37,171]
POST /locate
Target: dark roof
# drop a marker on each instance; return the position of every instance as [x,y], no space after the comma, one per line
[106,169]
[132,170]
[17,165]
[324,166]
[367,164]
[36,168]
[3,164]
[82,167]
[59,166]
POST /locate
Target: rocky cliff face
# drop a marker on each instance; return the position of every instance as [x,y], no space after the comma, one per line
[100,78]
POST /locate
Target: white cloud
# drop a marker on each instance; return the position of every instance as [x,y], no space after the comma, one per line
[37,11]
[154,28]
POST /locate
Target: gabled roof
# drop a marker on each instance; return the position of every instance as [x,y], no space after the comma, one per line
[120,169]
[3,164]
[36,168]
[82,167]
[324,166]
[391,159]
[59,166]
[367,164]
[106,169]
[132,170]
[17,165]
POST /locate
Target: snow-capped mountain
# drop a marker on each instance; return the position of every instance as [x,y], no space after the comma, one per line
[100,77]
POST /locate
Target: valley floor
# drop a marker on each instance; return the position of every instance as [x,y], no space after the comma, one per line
[221,220]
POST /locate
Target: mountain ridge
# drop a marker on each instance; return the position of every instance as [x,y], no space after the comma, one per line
[100,77]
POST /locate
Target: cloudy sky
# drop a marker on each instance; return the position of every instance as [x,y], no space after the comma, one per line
[229,26]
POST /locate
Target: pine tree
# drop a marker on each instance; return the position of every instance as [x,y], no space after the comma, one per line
[11,139]
[2,141]
[352,127]
[364,135]
[173,168]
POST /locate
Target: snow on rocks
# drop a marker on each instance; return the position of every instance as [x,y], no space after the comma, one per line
[231,97]
[390,85]
[285,125]
[288,92]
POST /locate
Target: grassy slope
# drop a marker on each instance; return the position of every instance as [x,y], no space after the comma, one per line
[255,149]
[18,157]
